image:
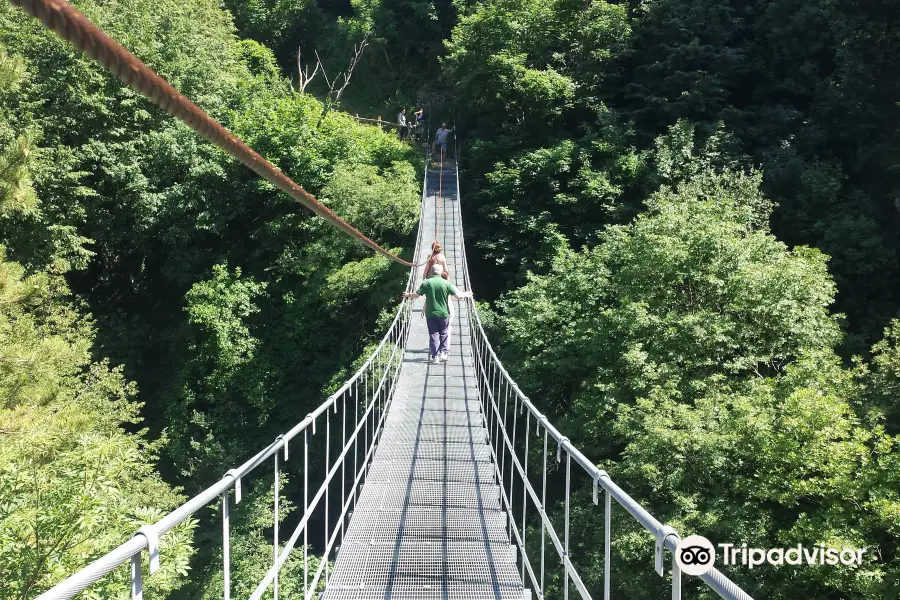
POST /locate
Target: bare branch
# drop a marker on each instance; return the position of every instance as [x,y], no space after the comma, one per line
[358,50]
[300,65]
[303,73]
[324,74]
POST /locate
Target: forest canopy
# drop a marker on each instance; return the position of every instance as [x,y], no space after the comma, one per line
[682,222]
[155,290]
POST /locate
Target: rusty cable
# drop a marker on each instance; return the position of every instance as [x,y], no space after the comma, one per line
[72,26]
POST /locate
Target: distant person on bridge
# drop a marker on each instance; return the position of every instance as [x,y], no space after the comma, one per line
[420,123]
[437,291]
[440,139]
[401,121]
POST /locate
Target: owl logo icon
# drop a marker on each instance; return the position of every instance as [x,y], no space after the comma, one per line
[695,555]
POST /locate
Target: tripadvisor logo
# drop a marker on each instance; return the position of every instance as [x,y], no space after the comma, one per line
[696,555]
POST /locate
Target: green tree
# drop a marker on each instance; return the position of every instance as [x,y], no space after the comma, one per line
[880,379]
[141,216]
[691,348]
[546,158]
[75,482]
[220,392]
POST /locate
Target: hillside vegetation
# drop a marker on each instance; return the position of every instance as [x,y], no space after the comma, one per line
[165,312]
[682,216]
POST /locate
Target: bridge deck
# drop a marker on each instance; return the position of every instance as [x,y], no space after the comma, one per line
[428,523]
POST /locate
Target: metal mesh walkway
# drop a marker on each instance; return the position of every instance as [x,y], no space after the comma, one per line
[428,524]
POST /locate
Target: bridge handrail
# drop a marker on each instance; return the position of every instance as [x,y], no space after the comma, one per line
[133,547]
[666,537]
[150,533]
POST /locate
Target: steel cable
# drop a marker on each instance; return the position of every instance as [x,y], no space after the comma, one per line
[72,26]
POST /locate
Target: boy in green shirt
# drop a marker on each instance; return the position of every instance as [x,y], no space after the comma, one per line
[437,291]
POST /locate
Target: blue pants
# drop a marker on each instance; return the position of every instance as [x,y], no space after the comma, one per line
[438,335]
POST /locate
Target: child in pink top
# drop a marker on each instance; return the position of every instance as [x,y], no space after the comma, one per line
[437,257]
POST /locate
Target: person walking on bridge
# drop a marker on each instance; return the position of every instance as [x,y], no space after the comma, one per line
[440,139]
[437,258]
[437,292]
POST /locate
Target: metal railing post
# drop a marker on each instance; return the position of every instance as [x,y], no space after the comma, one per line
[676,580]
[525,488]
[512,450]
[327,484]
[275,533]
[226,547]
[366,417]
[305,509]
[566,552]
[137,584]
[543,511]
[355,441]
[607,544]
[343,460]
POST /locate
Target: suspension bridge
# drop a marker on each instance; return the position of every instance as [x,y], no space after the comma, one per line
[428,491]
[435,475]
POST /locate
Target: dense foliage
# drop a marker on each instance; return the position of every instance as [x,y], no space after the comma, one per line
[683,212]
[404,40]
[565,99]
[690,208]
[74,483]
[230,308]
[693,353]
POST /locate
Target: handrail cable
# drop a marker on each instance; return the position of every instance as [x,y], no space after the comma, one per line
[440,198]
[72,26]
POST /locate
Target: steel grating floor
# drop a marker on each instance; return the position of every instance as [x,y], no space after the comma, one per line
[428,524]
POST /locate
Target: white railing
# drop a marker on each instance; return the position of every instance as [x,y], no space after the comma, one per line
[495,386]
[367,394]
[360,405]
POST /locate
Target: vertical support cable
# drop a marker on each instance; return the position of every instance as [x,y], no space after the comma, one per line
[493,409]
[512,452]
[488,404]
[495,406]
[492,376]
[485,368]
[676,580]
[305,508]
[374,410]
[275,534]
[607,546]
[366,417]
[525,489]
[226,547]
[501,447]
[137,585]
[355,439]
[327,484]
[343,463]
[543,512]
[566,548]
